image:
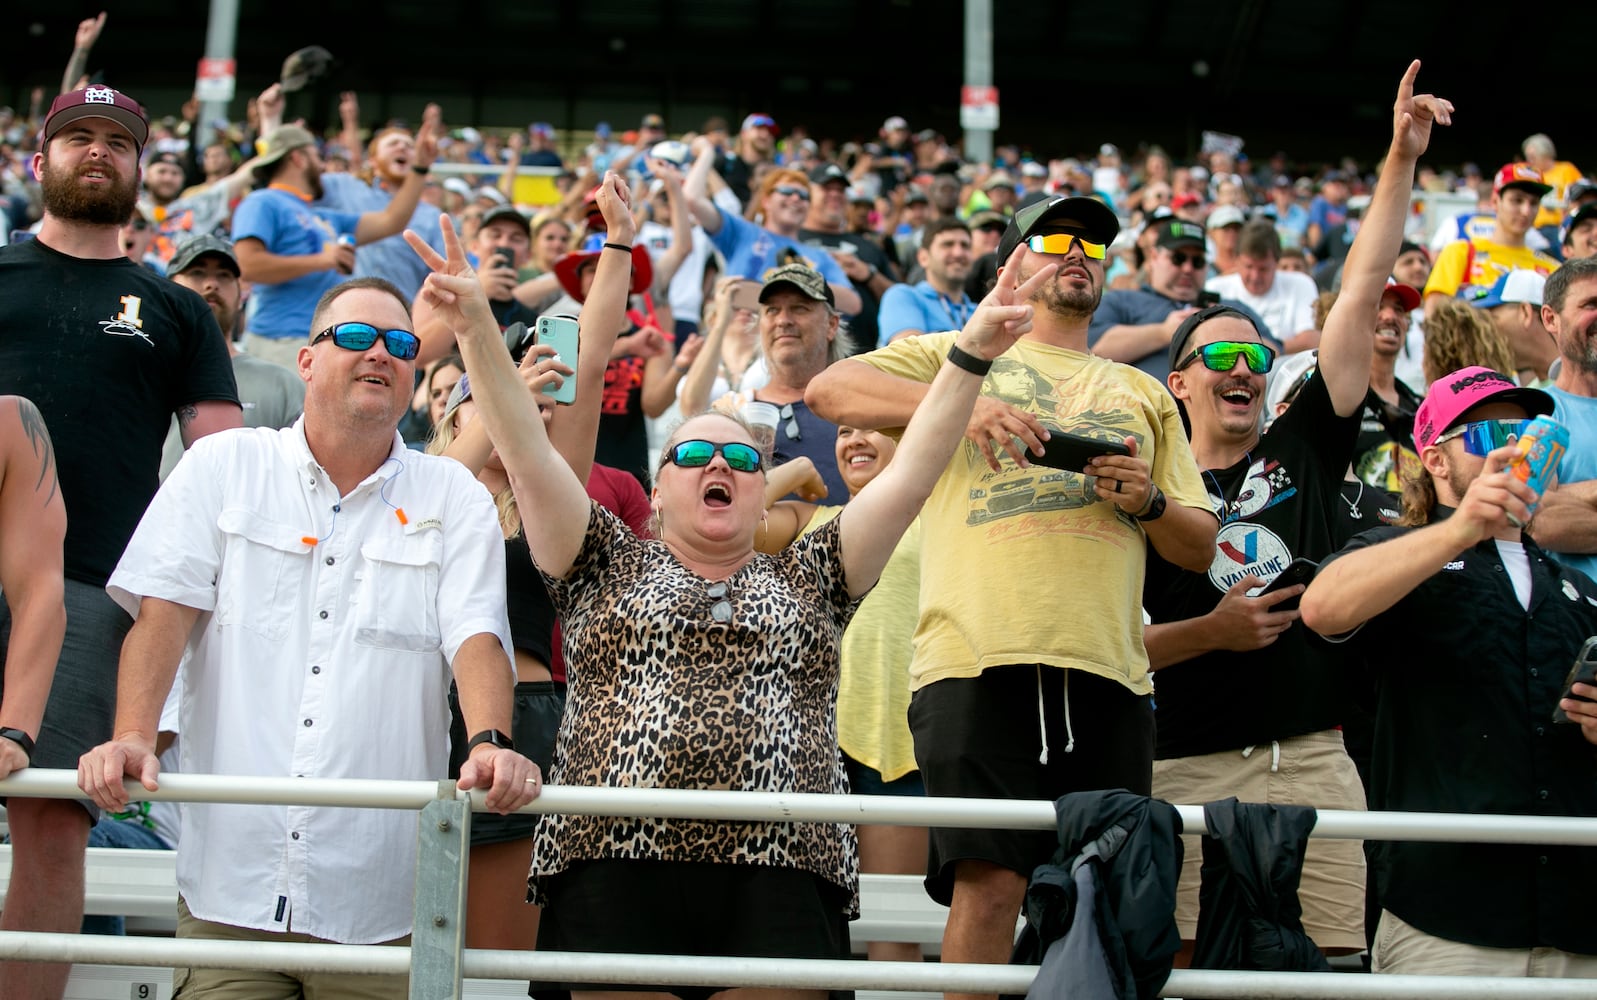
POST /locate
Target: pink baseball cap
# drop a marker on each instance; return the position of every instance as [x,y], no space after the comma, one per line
[97,102]
[1452,397]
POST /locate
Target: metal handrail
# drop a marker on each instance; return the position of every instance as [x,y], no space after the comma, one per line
[699,971]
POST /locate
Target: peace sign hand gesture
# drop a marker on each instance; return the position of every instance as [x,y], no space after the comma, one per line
[1005,315]
[452,292]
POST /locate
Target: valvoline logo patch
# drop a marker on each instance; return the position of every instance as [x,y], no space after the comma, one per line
[1242,548]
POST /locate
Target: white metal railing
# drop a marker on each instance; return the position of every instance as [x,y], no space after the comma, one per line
[695,971]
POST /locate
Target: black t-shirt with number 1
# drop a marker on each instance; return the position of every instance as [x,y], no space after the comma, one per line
[1278,503]
[108,351]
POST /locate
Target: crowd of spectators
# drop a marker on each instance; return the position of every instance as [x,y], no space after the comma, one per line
[1261,359]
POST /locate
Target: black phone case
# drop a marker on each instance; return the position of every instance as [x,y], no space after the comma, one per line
[1583,672]
[1297,571]
[1071,452]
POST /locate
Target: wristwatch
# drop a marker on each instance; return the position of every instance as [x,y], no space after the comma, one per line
[493,736]
[21,739]
[1156,506]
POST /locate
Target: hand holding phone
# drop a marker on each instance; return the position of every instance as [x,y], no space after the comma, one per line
[1583,672]
[560,332]
[1298,571]
[1072,452]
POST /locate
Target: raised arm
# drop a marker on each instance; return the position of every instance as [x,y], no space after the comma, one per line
[78,65]
[33,523]
[349,117]
[542,481]
[1348,340]
[574,429]
[693,393]
[396,216]
[696,188]
[876,518]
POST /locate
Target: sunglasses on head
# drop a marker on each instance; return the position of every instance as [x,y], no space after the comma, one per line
[402,344]
[1222,355]
[1482,437]
[739,457]
[792,191]
[1060,243]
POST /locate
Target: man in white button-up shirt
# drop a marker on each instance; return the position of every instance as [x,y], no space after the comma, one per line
[323,580]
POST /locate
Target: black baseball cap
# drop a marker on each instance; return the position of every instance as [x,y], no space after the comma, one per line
[827,173]
[1095,220]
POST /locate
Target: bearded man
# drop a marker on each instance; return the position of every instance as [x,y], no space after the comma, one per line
[108,351]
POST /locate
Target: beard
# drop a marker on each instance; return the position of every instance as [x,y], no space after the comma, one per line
[1070,303]
[313,185]
[65,198]
[1581,351]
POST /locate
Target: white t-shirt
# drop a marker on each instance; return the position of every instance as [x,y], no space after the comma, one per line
[1287,308]
[686,292]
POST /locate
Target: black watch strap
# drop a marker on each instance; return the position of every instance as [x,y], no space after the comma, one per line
[969,362]
[21,739]
[1156,507]
[493,736]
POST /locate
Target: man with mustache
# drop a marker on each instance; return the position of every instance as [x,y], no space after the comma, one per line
[293,251]
[108,351]
[1026,683]
[1247,706]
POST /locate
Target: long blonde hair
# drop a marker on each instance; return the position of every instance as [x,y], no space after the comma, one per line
[504,501]
[1458,336]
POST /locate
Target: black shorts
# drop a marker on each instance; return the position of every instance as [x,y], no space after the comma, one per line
[536,721]
[689,908]
[979,737]
[82,702]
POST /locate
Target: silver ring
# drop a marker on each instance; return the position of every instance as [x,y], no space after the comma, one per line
[532,781]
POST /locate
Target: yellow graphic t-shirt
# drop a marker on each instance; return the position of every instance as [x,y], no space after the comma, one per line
[1027,565]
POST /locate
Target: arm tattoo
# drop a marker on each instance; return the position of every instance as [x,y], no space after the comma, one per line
[187,414]
[39,440]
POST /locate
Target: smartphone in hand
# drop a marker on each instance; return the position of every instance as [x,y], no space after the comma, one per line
[1297,571]
[1583,672]
[1072,452]
[560,332]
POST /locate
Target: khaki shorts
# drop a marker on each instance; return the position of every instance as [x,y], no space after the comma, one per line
[1312,770]
[278,350]
[1404,950]
[253,984]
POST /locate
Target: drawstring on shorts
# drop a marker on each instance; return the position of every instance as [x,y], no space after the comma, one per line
[1042,718]
[1275,756]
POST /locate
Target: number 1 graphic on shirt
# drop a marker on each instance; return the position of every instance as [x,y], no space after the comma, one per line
[130,311]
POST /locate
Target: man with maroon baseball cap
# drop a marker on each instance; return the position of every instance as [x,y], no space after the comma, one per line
[108,351]
[1469,626]
[97,102]
[1479,261]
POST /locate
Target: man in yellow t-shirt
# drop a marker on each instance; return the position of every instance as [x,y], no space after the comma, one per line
[1557,174]
[1029,672]
[1516,197]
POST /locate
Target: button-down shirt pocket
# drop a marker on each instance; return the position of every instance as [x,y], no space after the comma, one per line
[396,603]
[262,565]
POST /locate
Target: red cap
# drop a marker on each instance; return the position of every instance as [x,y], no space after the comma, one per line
[1408,294]
[97,102]
[1520,175]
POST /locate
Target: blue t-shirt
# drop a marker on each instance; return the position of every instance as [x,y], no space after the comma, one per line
[920,307]
[289,227]
[1579,414]
[752,250]
[391,257]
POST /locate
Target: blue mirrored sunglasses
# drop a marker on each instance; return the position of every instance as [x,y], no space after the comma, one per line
[1482,437]
[402,344]
[739,457]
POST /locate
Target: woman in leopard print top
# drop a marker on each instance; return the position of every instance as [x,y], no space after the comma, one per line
[695,662]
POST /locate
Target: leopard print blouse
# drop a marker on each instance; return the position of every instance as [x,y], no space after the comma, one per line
[663,696]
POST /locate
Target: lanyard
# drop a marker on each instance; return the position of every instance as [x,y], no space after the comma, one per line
[958,312]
